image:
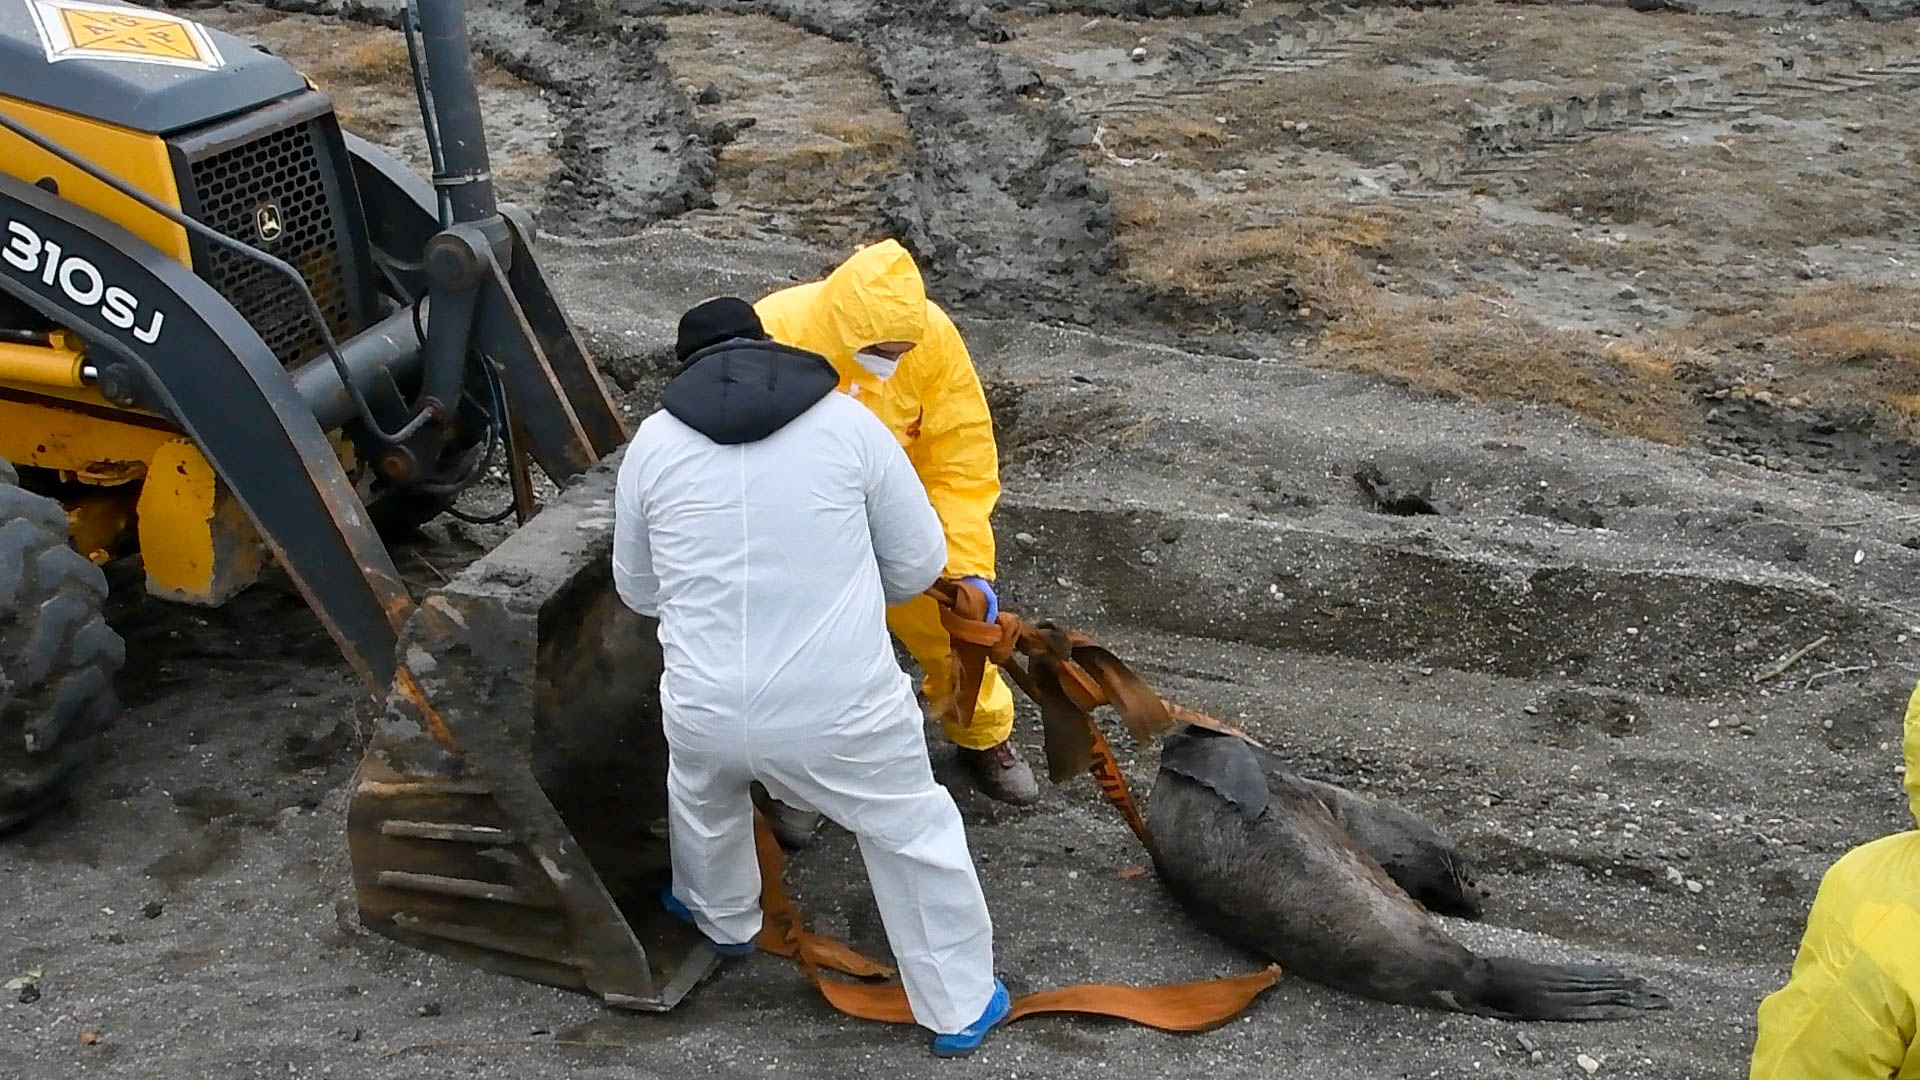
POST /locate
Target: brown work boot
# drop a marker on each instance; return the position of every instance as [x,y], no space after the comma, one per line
[1002,774]
[792,827]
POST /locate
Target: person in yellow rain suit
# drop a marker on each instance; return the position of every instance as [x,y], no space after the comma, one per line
[1848,1010]
[900,355]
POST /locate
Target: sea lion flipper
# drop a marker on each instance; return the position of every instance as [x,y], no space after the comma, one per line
[1515,989]
[1222,763]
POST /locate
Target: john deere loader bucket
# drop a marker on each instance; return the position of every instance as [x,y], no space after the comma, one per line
[512,797]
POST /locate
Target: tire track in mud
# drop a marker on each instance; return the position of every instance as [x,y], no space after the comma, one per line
[998,204]
[1134,9]
[631,153]
[1503,143]
[1313,37]
[1321,34]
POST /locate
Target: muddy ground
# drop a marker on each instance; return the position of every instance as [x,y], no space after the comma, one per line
[1649,355]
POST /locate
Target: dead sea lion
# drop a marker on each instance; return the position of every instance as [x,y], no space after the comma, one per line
[1256,856]
[1428,866]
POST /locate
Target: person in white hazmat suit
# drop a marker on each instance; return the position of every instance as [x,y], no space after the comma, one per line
[767,522]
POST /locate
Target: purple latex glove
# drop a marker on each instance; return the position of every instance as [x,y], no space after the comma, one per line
[993,602]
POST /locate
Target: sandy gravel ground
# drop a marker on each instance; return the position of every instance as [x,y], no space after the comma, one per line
[1656,375]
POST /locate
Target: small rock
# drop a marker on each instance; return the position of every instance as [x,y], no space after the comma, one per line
[29,993]
[153,909]
[1150,557]
[1525,1043]
[1027,541]
[1714,723]
[1628,292]
[1537,1057]
[1138,54]
[1531,710]
[116,938]
[1171,533]
[1587,1063]
[1675,877]
[711,95]
[431,1008]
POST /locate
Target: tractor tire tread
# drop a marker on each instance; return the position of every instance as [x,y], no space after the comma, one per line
[58,655]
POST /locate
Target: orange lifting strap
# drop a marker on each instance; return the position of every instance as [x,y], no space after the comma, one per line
[1068,676]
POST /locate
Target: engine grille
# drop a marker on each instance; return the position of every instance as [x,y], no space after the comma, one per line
[278,173]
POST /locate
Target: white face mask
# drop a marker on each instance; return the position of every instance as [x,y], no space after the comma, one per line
[880,366]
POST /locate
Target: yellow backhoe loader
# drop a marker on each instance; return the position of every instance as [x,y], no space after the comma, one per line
[231,332]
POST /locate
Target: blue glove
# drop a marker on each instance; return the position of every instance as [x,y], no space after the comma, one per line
[993,602]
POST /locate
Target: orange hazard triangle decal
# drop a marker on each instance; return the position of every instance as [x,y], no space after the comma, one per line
[133,34]
[79,30]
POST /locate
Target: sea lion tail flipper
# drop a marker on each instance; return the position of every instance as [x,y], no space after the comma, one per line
[1522,990]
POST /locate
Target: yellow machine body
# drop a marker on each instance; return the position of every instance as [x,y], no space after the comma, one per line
[133,483]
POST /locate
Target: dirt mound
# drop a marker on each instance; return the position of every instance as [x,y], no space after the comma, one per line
[997,203]
[629,151]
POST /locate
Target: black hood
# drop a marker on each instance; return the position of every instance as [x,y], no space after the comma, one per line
[742,391]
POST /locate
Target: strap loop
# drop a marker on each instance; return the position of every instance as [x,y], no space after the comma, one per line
[1068,676]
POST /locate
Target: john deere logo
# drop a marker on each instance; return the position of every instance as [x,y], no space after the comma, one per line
[266,222]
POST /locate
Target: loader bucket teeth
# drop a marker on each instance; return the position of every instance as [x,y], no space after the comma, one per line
[513,793]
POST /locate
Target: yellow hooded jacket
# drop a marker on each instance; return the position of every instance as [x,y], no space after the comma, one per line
[1848,1010]
[933,402]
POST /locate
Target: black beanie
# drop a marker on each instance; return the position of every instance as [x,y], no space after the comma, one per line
[713,321]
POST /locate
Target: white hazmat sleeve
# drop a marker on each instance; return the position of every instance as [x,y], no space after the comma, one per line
[908,540]
[633,576]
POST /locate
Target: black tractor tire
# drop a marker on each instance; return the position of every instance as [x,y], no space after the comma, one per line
[58,656]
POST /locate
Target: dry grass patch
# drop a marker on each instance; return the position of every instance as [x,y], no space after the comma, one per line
[1322,255]
[1145,134]
[824,135]
[1476,347]
[1310,260]
[1774,190]
[1352,111]
[1838,346]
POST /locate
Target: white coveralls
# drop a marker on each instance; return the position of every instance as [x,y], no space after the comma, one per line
[770,566]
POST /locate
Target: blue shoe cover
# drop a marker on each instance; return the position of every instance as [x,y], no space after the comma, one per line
[966,1042]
